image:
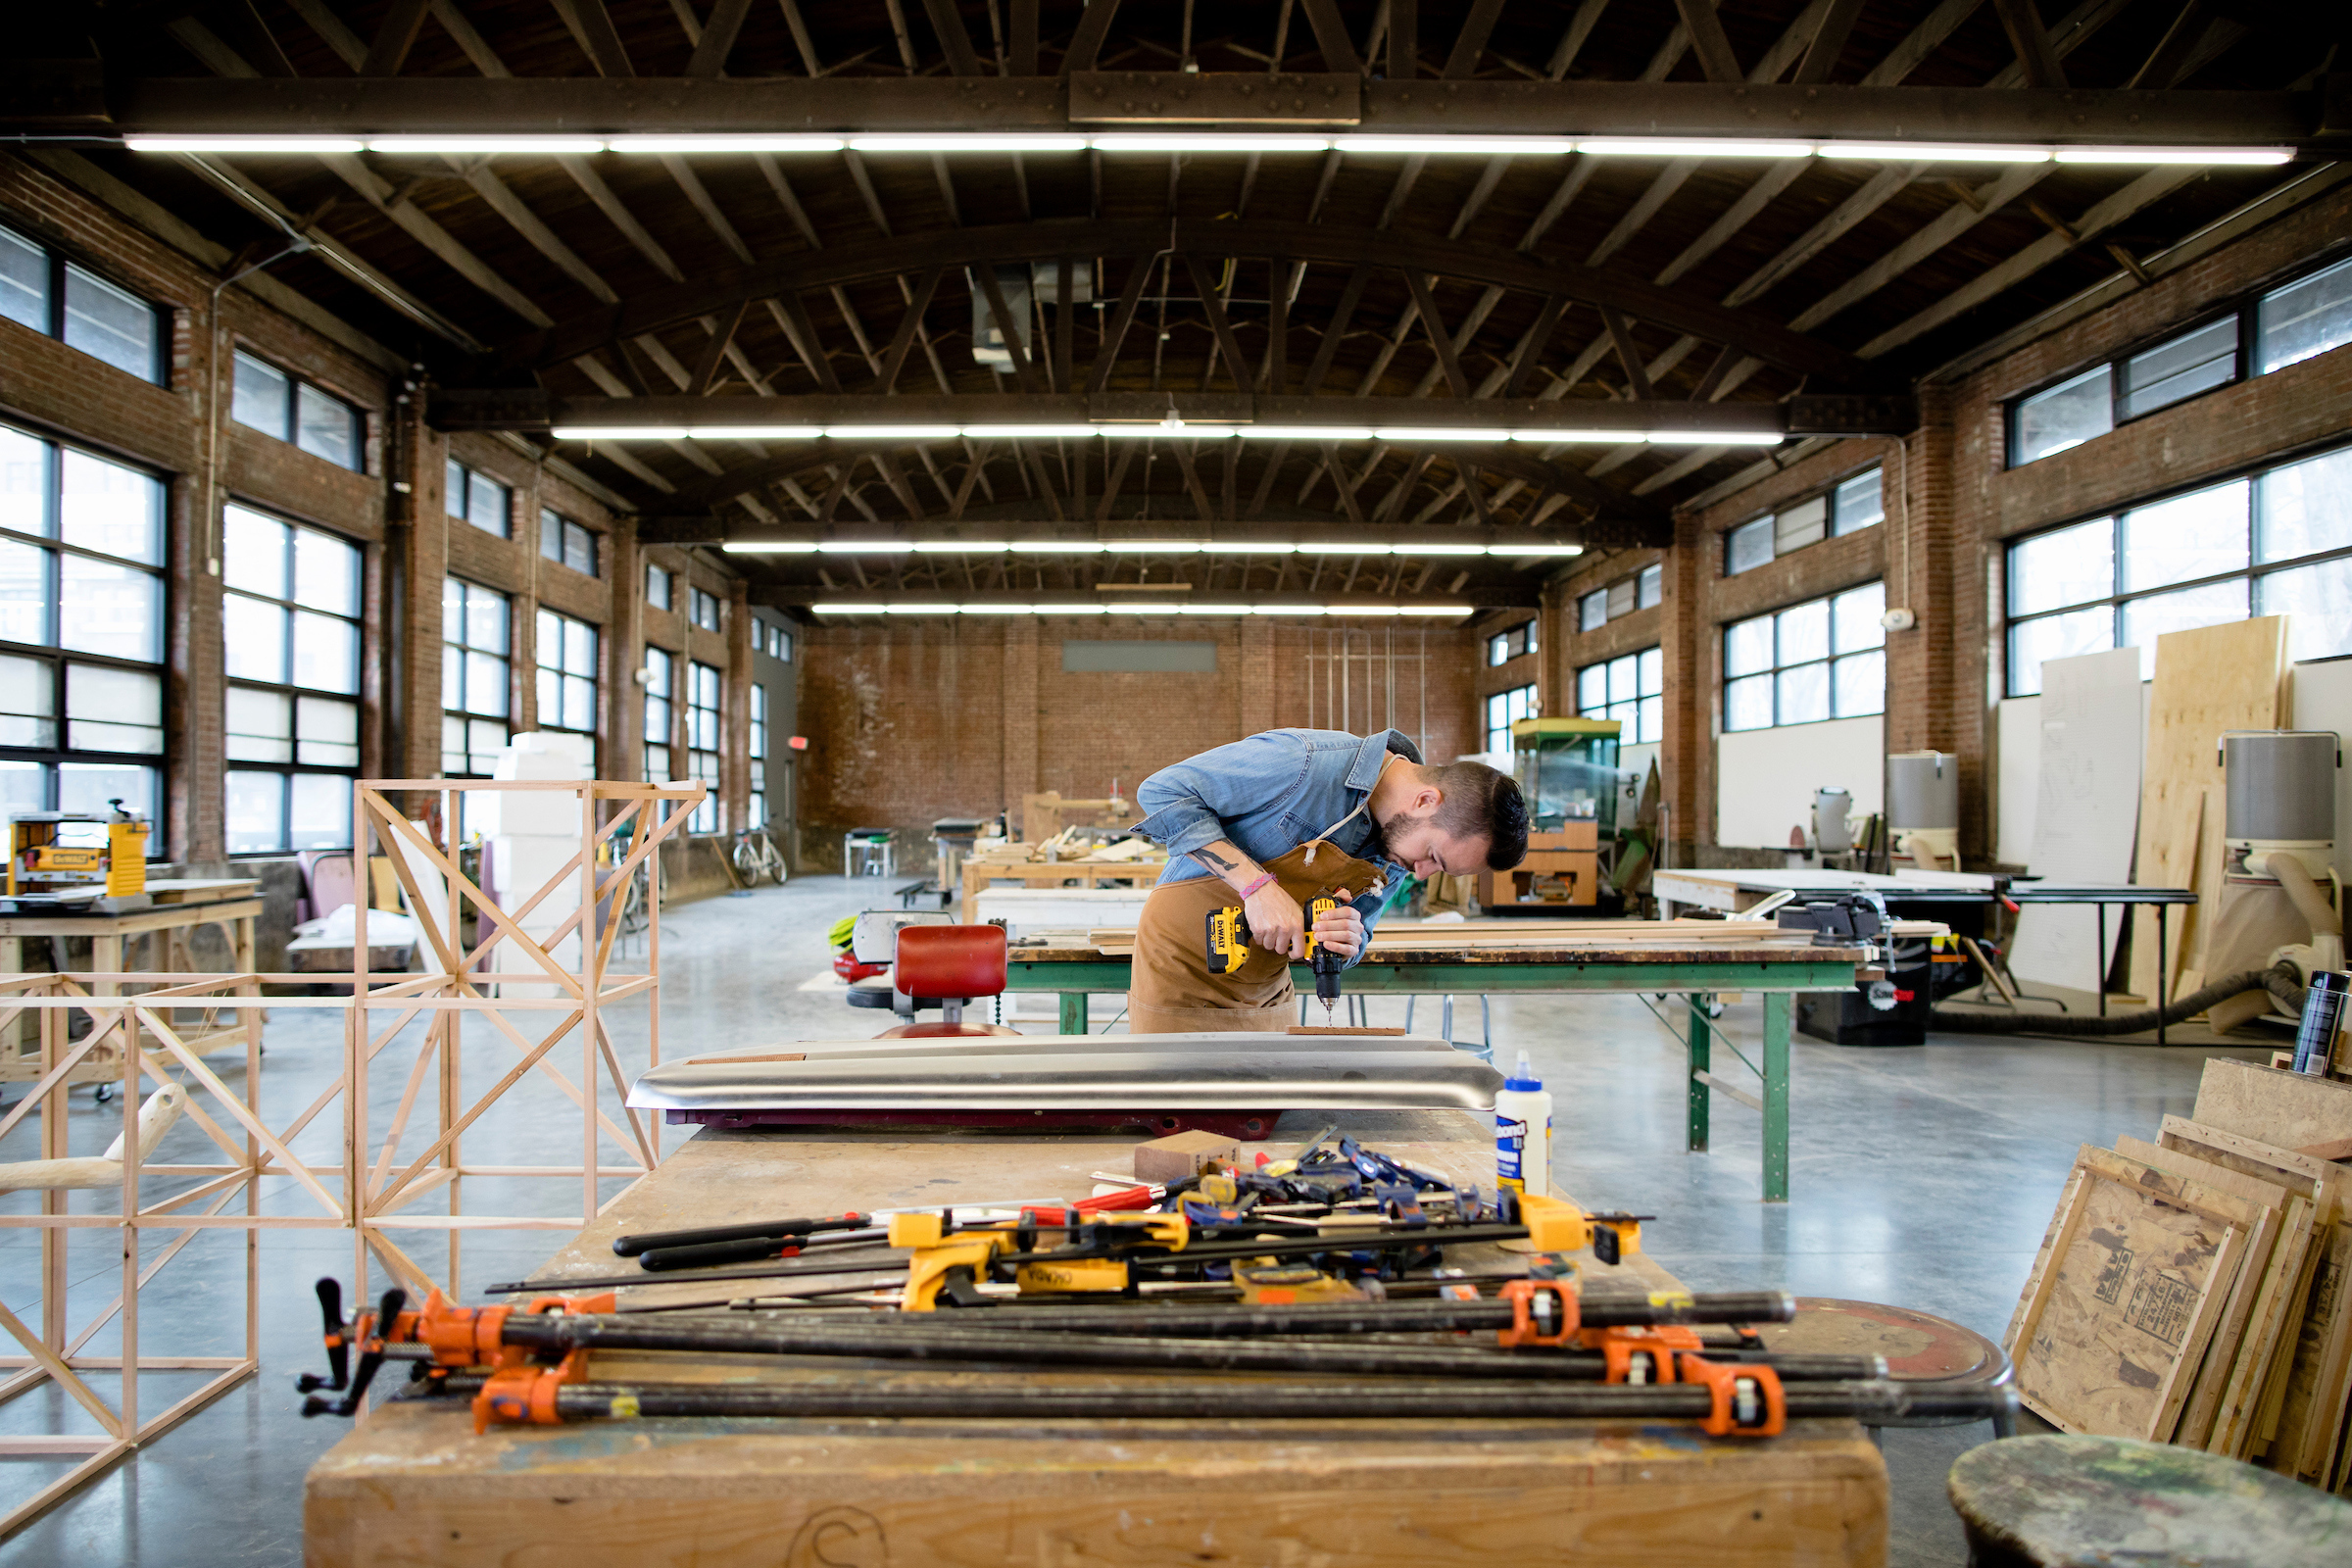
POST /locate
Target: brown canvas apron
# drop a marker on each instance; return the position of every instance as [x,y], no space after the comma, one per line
[1172,991]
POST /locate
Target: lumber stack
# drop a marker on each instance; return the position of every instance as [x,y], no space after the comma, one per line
[2192,1288]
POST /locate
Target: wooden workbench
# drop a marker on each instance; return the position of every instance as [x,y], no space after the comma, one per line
[979,871]
[414,1485]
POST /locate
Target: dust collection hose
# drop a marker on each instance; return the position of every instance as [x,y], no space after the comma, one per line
[2280,980]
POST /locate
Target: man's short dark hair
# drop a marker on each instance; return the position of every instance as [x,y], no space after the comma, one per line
[1483,802]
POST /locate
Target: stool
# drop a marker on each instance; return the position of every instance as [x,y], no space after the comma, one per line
[1917,1347]
[1484,1050]
[945,966]
[2065,1501]
[867,851]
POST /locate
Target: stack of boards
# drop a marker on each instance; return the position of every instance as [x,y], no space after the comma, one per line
[2193,1289]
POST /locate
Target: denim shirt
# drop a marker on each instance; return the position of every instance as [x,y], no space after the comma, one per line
[1269,794]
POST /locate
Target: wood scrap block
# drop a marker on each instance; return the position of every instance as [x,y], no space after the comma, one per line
[2115,1323]
[2289,1109]
[1180,1155]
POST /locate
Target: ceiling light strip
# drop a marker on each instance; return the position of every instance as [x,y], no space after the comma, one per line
[1169,429]
[863,608]
[1127,547]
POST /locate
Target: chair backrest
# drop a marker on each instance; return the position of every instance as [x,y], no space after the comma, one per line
[949,960]
[328,880]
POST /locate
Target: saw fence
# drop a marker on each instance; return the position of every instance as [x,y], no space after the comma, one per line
[541,996]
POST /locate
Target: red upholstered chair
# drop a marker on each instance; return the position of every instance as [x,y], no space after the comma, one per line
[945,966]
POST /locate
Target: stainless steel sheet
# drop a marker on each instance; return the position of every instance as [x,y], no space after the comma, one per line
[960,1046]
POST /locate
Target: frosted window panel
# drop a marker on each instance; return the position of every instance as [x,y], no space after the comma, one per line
[1803,694]
[27,703]
[2146,619]
[1625,679]
[329,733]
[2305,508]
[1747,647]
[484,740]
[1748,547]
[1858,685]
[2319,599]
[487,504]
[656,587]
[1860,503]
[24,592]
[24,787]
[110,509]
[453,487]
[261,396]
[656,718]
[547,629]
[2304,319]
[1804,634]
[1748,702]
[2201,534]
[453,611]
[104,321]
[326,653]
[1854,618]
[1621,599]
[260,727]
[252,637]
[485,620]
[1800,526]
[759,704]
[24,282]
[1653,672]
[2082,631]
[327,573]
[486,684]
[579,704]
[657,765]
[319,815]
[1592,610]
[110,709]
[86,787]
[1651,591]
[453,744]
[1591,687]
[2066,415]
[453,678]
[117,611]
[579,549]
[1653,720]
[257,805]
[548,689]
[24,480]
[579,650]
[2194,362]
[325,426]
[758,808]
[2070,567]
[656,673]
[252,553]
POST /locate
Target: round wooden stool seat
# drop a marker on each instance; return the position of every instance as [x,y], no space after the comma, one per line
[1917,1346]
[2062,1501]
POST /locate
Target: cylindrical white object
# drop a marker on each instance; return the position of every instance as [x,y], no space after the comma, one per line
[2280,802]
[1523,1133]
[1831,808]
[1923,790]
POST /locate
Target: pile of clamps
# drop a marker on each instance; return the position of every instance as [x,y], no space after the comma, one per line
[1327,1269]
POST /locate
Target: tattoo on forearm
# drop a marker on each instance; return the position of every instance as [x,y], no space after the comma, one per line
[1215,862]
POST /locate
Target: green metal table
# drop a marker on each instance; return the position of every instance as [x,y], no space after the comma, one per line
[1695,971]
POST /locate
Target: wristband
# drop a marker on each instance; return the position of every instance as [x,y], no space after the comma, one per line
[1254,887]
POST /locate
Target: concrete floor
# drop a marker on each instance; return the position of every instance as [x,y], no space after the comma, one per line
[1922,1177]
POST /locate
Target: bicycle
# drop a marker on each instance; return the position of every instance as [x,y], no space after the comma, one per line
[756,856]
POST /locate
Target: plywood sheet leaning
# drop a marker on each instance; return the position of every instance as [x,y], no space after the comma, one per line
[2208,679]
[2196,947]
[2287,1110]
[2118,1314]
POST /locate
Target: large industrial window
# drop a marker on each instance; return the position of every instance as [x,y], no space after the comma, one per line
[1502,709]
[1848,506]
[704,607]
[473,678]
[2308,317]
[1621,598]
[1630,689]
[269,400]
[50,294]
[479,500]
[758,754]
[290,634]
[1823,658]
[658,667]
[566,542]
[656,587]
[778,643]
[701,741]
[2276,543]
[1506,646]
[82,631]
[566,654]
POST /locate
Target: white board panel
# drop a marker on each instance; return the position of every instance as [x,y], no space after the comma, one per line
[2086,811]
[1765,778]
[2018,788]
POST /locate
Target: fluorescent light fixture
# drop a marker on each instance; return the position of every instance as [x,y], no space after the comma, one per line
[620,432]
[970,547]
[864,547]
[1711,438]
[1072,609]
[1440,550]
[1569,437]
[1361,609]
[1028,432]
[1053,547]
[1001,609]
[851,609]
[1237,547]
[1145,610]
[1689,147]
[754,432]
[1291,609]
[763,546]
[892,433]
[959,142]
[546,146]
[1155,546]
[1347,550]
[1471,146]
[244,144]
[1535,550]
[2174,155]
[924,609]
[1415,433]
[727,144]
[1216,610]
[1181,141]
[1305,432]
[1433,609]
[1933,152]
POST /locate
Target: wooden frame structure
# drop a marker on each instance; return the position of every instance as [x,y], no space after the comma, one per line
[368,1189]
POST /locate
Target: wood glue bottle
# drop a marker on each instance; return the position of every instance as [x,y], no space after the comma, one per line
[1523,1133]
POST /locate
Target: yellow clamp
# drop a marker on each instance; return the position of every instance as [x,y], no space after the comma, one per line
[1557,1225]
[927,1270]
[1080,1275]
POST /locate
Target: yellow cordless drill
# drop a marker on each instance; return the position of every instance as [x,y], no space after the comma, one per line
[1229,947]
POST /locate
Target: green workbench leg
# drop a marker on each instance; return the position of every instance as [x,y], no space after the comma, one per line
[1777,1007]
[1701,1057]
[1073,1013]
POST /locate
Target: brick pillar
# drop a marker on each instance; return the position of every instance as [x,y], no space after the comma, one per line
[1687,749]
[735,755]
[1019,720]
[1923,680]
[623,740]
[1255,685]
[195,714]
[416,560]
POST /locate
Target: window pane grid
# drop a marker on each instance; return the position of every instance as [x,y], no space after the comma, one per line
[567,686]
[702,738]
[477,498]
[1847,507]
[291,618]
[1628,689]
[473,678]
[1820,660]
[1503,708]
[657,721]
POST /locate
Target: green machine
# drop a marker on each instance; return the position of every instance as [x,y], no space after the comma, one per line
[1567,767]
